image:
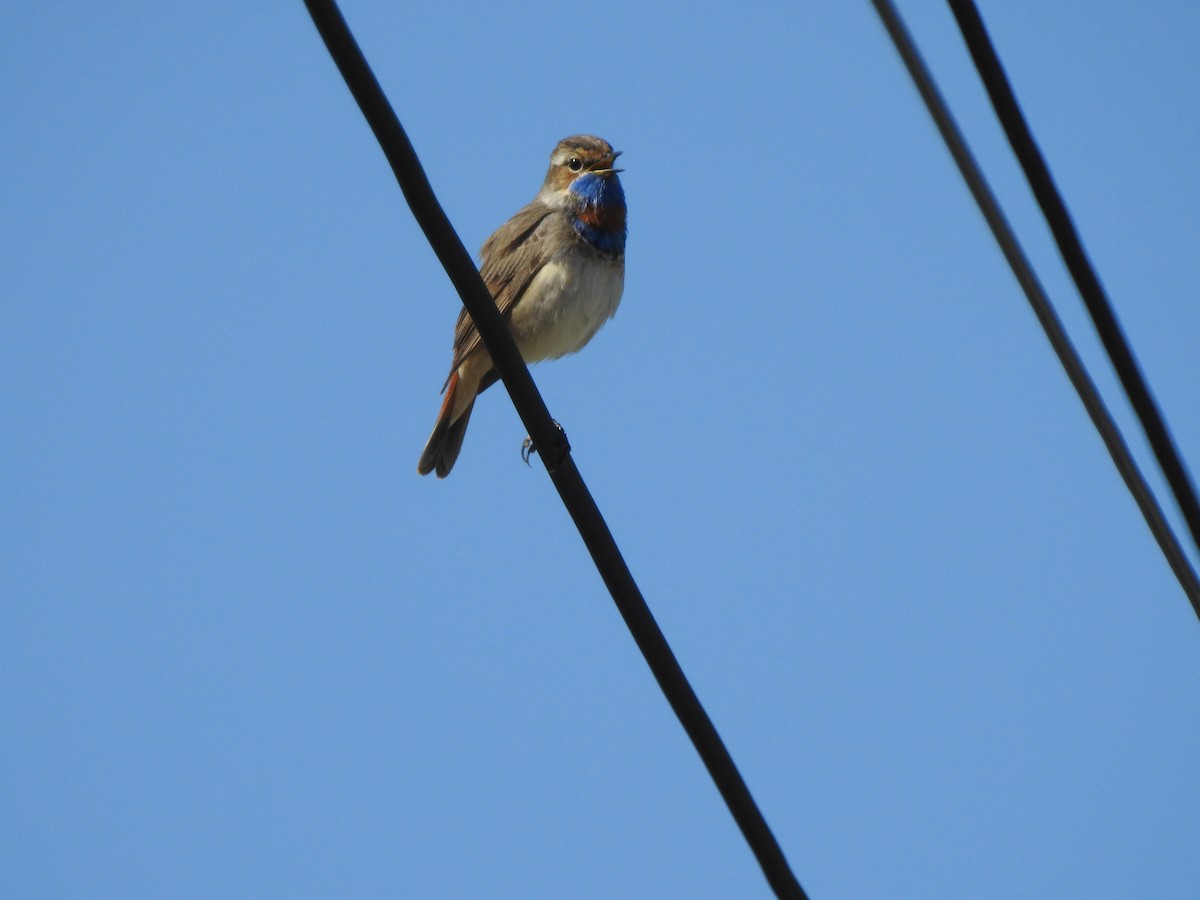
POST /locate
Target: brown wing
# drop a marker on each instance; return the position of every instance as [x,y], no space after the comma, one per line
[511,257]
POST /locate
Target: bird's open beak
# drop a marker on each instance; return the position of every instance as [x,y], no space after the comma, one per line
[605,166]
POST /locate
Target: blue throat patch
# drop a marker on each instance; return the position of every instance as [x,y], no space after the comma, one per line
[601,217]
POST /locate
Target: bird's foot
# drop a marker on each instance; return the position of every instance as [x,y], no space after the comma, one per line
[561,448]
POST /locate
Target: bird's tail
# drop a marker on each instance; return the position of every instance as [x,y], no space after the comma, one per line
[441,450]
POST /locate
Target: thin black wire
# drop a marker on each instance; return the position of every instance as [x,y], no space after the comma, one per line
[1040,303]
[1037,173]
[586,515]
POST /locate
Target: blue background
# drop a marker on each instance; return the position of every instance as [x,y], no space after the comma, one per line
[246,651]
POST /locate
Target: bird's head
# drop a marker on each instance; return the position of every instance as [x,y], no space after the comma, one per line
[582,165]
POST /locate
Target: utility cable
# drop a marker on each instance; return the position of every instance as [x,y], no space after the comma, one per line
[1037,173]
[545,434]
[1040,303]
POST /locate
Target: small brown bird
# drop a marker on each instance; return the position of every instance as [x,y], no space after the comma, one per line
[556,271]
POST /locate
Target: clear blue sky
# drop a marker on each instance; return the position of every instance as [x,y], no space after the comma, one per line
[246,651]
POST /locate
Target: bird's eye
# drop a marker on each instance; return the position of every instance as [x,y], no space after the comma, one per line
[574,164]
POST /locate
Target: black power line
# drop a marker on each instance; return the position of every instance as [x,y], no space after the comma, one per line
[575,496]
[1037,173]
[1040,303]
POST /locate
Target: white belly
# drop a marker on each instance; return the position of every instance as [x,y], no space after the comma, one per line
[565,305]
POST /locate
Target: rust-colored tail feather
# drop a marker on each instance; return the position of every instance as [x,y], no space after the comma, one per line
[441,450]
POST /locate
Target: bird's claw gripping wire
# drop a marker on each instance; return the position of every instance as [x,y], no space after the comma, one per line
[561,446]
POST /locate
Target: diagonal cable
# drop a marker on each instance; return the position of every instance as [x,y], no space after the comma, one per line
[1057,335]
[575,496]
[1037,173]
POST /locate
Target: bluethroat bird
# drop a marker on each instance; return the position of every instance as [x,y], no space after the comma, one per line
[556,271]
